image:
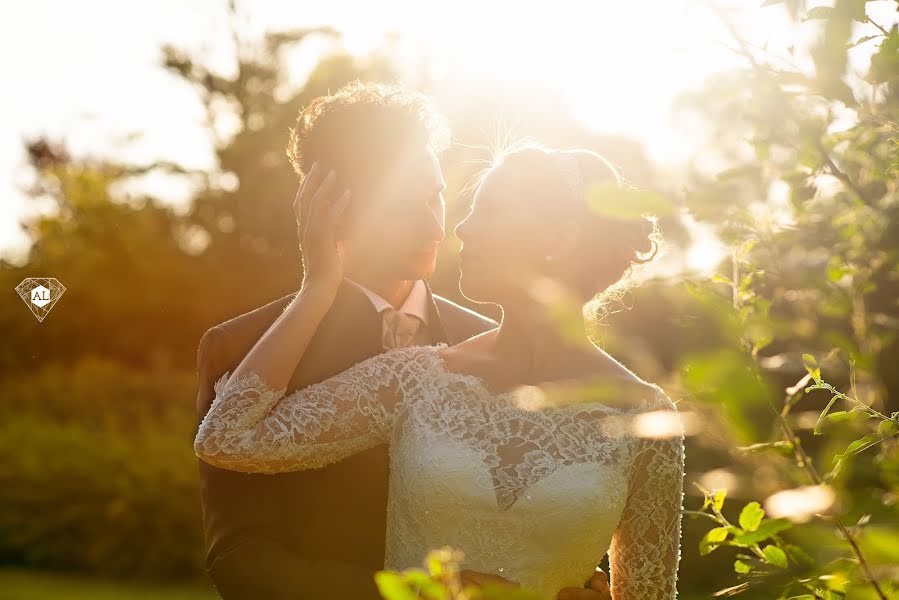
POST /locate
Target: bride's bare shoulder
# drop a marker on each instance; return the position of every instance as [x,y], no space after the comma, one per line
[605,379]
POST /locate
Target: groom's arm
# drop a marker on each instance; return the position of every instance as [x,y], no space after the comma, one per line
[259,565]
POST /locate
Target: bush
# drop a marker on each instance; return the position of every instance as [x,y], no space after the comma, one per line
[99,473]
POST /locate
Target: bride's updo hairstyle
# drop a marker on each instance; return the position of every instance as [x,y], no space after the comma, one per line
[571,183]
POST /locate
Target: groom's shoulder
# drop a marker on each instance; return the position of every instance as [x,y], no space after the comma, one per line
[247,326]
[462,321]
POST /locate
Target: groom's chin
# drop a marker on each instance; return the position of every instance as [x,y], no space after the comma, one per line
[415,269]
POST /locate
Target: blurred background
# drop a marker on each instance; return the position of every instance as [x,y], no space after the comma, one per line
[142,165]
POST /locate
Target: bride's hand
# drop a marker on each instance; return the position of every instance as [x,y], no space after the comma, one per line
[596,588]
[478,579]
[322,205]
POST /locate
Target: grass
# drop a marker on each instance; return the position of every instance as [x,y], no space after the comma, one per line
[19,584]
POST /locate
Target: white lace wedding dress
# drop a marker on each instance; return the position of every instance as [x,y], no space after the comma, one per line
[537,496]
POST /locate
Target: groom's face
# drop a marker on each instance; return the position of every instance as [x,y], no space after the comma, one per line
[396,230]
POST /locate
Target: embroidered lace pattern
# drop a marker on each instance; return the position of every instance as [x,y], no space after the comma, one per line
[536,495]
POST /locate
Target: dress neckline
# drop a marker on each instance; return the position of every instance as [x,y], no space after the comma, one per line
[503,406]
[481,384]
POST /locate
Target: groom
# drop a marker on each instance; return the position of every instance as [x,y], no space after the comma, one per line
[319,534]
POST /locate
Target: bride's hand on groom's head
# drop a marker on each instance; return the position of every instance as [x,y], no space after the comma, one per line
[596,588]
[318,205]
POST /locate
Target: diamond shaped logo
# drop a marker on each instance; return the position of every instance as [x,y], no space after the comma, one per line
[40,294]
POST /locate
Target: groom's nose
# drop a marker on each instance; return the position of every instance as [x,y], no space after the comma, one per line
[435,224]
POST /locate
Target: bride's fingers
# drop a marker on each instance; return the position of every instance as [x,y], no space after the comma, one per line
[326,225]
[325,193]
[301,200]
[326,220]
[311,193]
[319,204]
[598,581]
[321,201]
[338,206]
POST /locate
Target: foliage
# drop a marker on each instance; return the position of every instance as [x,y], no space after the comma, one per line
[441,581]
[98,473]
[38,585]
[821,276]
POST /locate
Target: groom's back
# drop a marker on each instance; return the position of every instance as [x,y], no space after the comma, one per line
[317,533]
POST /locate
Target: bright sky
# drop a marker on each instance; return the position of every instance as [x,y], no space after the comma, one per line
[88,72]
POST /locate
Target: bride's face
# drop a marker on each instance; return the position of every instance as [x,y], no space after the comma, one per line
[504,240]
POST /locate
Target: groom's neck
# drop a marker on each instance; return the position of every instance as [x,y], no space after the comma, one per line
[395,291]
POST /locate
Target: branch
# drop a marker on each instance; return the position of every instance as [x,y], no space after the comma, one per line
[836,172]
[871,21]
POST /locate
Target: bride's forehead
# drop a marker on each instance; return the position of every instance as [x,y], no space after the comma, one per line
[493,188]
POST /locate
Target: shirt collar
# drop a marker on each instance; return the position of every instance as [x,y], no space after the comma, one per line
[416,302]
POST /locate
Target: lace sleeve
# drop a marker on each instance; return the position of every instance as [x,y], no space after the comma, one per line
[253,428]
[645,549]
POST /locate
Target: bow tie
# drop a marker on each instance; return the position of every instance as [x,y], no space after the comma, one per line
[398,329]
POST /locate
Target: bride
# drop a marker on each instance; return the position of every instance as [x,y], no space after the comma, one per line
[522,446]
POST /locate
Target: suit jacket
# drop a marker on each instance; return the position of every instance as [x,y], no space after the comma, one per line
[319,533]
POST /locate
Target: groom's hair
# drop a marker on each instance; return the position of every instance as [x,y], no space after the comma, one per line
[363,130]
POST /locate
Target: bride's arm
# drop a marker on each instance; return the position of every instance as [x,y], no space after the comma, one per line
[254,428]
[249,415]
[645,549]
[276,354]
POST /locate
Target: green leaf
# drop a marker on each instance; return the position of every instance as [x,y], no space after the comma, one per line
[811,365]
[712,539]
[767,528]
[775,556]
[737,172]
[392,586]
[857,11]
[858,446]
[836,270]
[748,245]
[435,563]
[718,278]
[741,567]
[839,416]
[862,40]
[799,556]
[819,12]
[430,587]
[817,428]
[783,447]
[718,498]
[751,516]
[609,200]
